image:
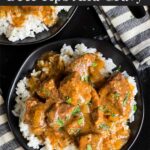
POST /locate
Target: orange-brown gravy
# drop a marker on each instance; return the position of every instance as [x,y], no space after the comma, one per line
[67,106]
[20,13]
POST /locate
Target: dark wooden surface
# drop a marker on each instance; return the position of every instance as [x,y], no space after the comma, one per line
[85,23]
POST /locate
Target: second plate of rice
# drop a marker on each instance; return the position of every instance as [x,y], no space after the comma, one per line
[21,25]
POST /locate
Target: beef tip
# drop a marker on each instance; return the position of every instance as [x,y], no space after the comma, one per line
[81,64]
[75,91]
[59,115]
[51,65]
[38,119]
[74,127]
[29,104]
[116,96]
[48,90]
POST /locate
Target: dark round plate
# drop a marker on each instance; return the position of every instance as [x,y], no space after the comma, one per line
[64,18]
[108,51]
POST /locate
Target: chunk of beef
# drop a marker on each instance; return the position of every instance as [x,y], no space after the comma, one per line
[48,90]
[59,115]
[29,104]
[75,91]
[75,125]
[116,96]
[37,122]
[51,65]
[59,139]
[81,64]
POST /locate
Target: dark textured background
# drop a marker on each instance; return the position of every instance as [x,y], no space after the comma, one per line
[85,23]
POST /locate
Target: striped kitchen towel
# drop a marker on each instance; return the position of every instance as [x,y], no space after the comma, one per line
[127,33]
[7,140]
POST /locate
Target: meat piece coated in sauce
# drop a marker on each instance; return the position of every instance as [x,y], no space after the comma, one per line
[81,64]
[59,115]
[75,91]
[116,95]
[48,90]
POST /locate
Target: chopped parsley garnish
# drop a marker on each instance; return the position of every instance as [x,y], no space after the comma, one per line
[104,126]
[102,108]
[126,99]
[67,118]
[68,100]
[118,69]
[85,78]
[63,12]
[113,115]
[94,64]
[45,91]
[116,95]
[60,122]
[134,108]
[80,121]
[76,111]
[88,147]
[74,131]
[60,129]
[106,111]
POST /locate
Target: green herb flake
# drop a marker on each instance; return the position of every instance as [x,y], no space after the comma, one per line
[74,131]
[106,111]
[94,64]
[76,111]
[116,95]
[104,126]
[80,121]
[85,78]
[60,122]
[45,91]
[118,69]
[67,118]
[134,108]
[102,108]
[88,147]
[69,100]
[113,115]
[126,99]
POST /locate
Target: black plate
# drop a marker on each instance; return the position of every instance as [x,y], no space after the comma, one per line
[64,18]
[108,51]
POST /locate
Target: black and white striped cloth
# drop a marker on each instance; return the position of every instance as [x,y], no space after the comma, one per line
[7,140]
[128,34]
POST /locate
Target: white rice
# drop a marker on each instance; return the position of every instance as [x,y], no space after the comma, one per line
[67,55]
[32,26]
[33,141]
